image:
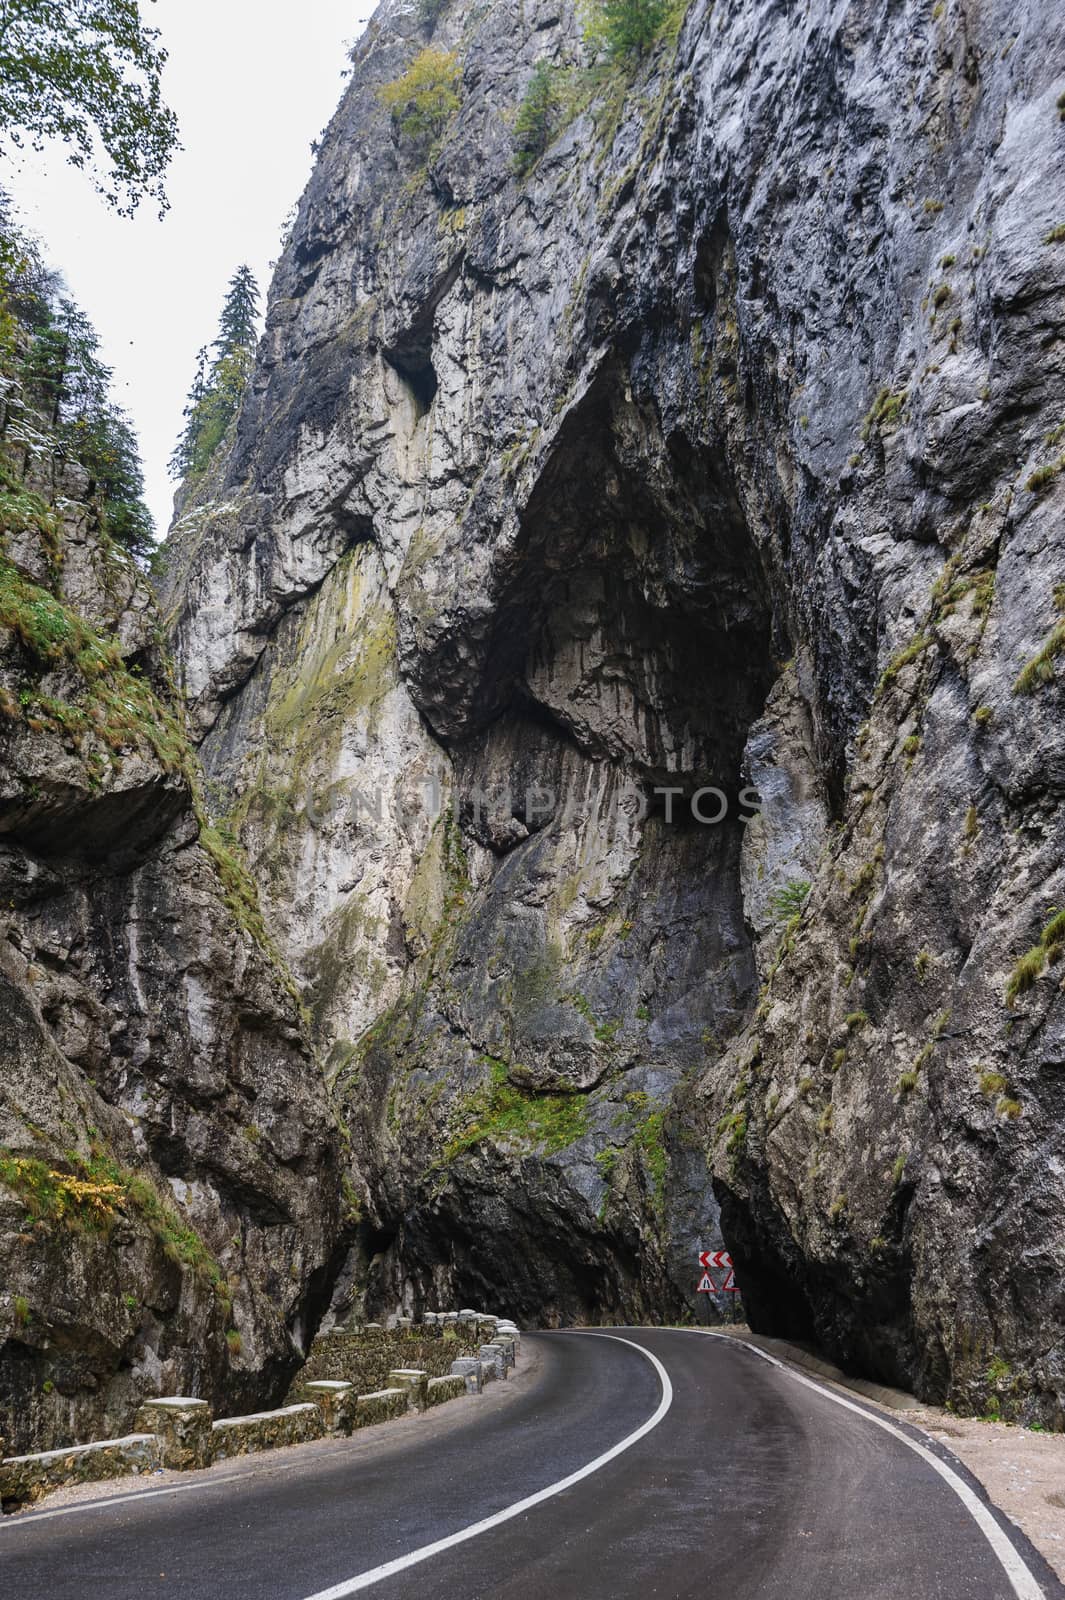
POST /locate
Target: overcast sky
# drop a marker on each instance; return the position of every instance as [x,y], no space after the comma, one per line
[252,83]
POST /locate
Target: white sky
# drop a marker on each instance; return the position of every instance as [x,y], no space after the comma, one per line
[252,83]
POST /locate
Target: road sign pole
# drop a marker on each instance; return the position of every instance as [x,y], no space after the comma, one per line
[720,1261]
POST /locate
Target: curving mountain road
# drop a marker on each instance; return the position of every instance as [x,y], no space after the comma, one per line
[644,1463]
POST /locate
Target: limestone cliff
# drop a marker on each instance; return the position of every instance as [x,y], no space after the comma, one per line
[721,449]
[169,1189]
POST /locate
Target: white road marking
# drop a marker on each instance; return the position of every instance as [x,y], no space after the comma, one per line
[96,1505]
[1022,1579]
[207,1478]
[365,1580]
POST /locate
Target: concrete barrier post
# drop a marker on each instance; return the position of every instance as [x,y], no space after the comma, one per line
[183,1428]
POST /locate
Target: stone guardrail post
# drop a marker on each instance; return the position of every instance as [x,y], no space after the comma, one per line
[469,1367]
[415,1382]
[336,1401]
[508,1347]
[183,1427]
[491,1357]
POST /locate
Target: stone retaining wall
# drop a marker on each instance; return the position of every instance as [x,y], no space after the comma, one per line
[354,1378]
[267,1430]
[365,1356]
[24,1478]
[383,1406]
[441,1389]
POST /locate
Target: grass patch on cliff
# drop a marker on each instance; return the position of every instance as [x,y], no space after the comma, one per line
[909,1080]
[885,412]
[114,703]
[623,34]
[1041,479]
[1040,669]
[1034,962]
[238,887]
[949,591]
[91,1196]
[788,901]
[902,659]
[499,1112]
[649,1139]
[22,510]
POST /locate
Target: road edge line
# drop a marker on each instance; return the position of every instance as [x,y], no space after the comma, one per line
[365,1580]
[1023,1581]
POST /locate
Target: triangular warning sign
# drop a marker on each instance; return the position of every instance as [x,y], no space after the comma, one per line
[706,1285]
[730,1283]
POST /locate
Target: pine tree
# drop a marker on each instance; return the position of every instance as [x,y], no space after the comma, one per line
[533,124]
[626,27]
[57,390]
[185,449]
[237,324]
[216,392]
[109,453]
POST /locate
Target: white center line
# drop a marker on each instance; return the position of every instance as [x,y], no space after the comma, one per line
[365,1580]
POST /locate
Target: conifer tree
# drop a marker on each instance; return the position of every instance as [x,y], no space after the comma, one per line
[57,391]
[534,122]
[424,99]
[185,449]
[237,324]
[217,391]
[626,27]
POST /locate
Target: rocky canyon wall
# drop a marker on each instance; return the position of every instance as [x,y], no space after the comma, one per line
[722,449]
[170,1202]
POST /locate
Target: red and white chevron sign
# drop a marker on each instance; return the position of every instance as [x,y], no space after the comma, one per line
[717,1261]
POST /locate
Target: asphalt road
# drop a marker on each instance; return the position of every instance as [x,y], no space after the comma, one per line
[742,1481]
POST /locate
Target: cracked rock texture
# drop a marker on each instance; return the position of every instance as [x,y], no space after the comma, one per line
[720,451]
[168,1173]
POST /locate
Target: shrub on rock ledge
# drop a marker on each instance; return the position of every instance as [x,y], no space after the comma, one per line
[424,99]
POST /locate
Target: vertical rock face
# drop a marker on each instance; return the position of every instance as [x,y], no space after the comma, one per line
[721,451]
[168,1184]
